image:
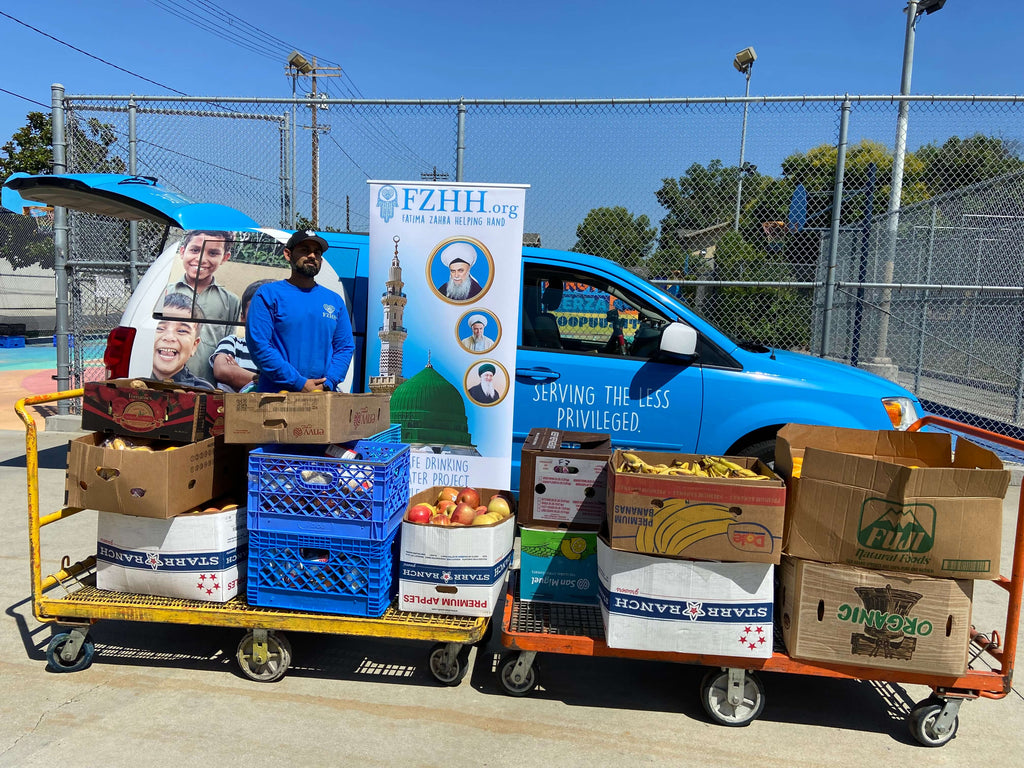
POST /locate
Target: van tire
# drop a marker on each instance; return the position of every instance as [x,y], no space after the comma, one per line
[764,450]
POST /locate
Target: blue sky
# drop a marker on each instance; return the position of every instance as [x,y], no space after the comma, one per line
[528,49]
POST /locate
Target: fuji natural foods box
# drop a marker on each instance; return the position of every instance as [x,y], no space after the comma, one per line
[456,548]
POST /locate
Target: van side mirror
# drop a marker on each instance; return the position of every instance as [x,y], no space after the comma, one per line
[679,340]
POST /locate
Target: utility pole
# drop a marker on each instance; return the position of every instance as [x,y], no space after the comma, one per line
[315,171]
[297,65]
[433,175]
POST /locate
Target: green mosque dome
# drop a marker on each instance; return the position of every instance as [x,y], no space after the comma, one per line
[431,410]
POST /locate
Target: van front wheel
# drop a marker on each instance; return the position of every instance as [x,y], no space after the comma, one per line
[764,450]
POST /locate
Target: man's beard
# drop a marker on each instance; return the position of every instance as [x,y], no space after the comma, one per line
[487,387]
[458,292]
[308,269]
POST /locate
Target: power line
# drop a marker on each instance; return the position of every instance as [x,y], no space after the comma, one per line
[26,98]
[91,56]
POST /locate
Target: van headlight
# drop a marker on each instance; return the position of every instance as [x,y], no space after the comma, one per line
[902,411]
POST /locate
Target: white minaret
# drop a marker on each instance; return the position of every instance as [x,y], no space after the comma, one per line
[392,332]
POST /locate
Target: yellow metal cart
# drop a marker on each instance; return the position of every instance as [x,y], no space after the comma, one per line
[69,598]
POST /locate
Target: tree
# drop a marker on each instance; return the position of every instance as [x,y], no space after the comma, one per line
[615,234]
[961,162]
[30,150]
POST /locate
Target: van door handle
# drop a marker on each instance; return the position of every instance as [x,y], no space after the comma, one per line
[536,375]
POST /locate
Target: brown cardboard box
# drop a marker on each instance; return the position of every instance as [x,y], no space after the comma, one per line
[866,618]
[157,483]
[704,518]
[898,501]
[160,410]
[563,479]
[304,417]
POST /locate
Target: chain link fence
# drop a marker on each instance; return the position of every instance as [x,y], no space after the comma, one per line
[931,298]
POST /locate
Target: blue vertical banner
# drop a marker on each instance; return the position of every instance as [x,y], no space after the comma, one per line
[442,321]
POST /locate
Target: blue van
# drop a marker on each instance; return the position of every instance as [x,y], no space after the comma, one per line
[599,348]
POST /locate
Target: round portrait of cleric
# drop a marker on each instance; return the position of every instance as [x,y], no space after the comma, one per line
[478,331]
[486,383]
[460,270]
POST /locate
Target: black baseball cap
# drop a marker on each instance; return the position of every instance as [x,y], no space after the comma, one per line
[302,236]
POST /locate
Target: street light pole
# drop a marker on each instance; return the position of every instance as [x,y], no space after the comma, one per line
[881,364]
[744,63]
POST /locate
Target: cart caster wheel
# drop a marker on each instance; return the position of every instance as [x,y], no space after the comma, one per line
[714,696]
[923,723]
[512,686]
[445,673]
[57,644]
[279,658]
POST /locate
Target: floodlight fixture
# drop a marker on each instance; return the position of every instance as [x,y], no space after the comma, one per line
[744,60]
[299,62]
[929,6]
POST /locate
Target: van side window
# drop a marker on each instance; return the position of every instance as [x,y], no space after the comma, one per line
[577,312]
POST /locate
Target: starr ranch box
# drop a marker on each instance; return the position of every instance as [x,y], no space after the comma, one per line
[304,417]
[653,603]
[195,556]
[898,501]
[154,409]
[162,482]
[705,518]
[563,479]
[557,565]
[867,618]
[454,570]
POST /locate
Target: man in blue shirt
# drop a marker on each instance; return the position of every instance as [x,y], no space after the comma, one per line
[298,332]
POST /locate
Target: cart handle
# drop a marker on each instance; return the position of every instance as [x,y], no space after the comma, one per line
[32,472]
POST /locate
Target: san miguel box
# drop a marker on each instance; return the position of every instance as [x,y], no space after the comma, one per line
[154,409]
[563,479]
[897,501]
[702,518]
[304,417]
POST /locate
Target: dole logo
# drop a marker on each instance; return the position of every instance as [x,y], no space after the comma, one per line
[888,526]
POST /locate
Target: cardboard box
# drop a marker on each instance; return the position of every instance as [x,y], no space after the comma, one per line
[304,417]
[651,603]
[705,518]
[196,556]
[563,478]
[558,566]
[867,618]
[898,501]
[458,571]
[157,483]
[159,410]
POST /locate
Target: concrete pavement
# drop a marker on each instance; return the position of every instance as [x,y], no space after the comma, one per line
[163,695]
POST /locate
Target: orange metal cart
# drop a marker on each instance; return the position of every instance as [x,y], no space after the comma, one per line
[731,693]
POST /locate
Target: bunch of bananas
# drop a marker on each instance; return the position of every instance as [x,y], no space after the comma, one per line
[705,466]
[680,524]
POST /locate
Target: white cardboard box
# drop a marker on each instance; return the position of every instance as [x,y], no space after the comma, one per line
[458,571]
[194,556]
[652,603]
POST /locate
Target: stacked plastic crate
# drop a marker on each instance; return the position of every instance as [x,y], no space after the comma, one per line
[323,531]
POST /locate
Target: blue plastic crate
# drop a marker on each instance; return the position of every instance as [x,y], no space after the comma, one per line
[322,574]
[392,434]
[303,491]
[12,341]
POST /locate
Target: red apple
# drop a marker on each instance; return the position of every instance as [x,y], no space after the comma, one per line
[447,506]
[469,496]
[499,504]
[447,493]
[440,519]
[463,514]
[419,513]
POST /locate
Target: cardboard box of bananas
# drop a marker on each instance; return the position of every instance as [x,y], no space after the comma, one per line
[695,506]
